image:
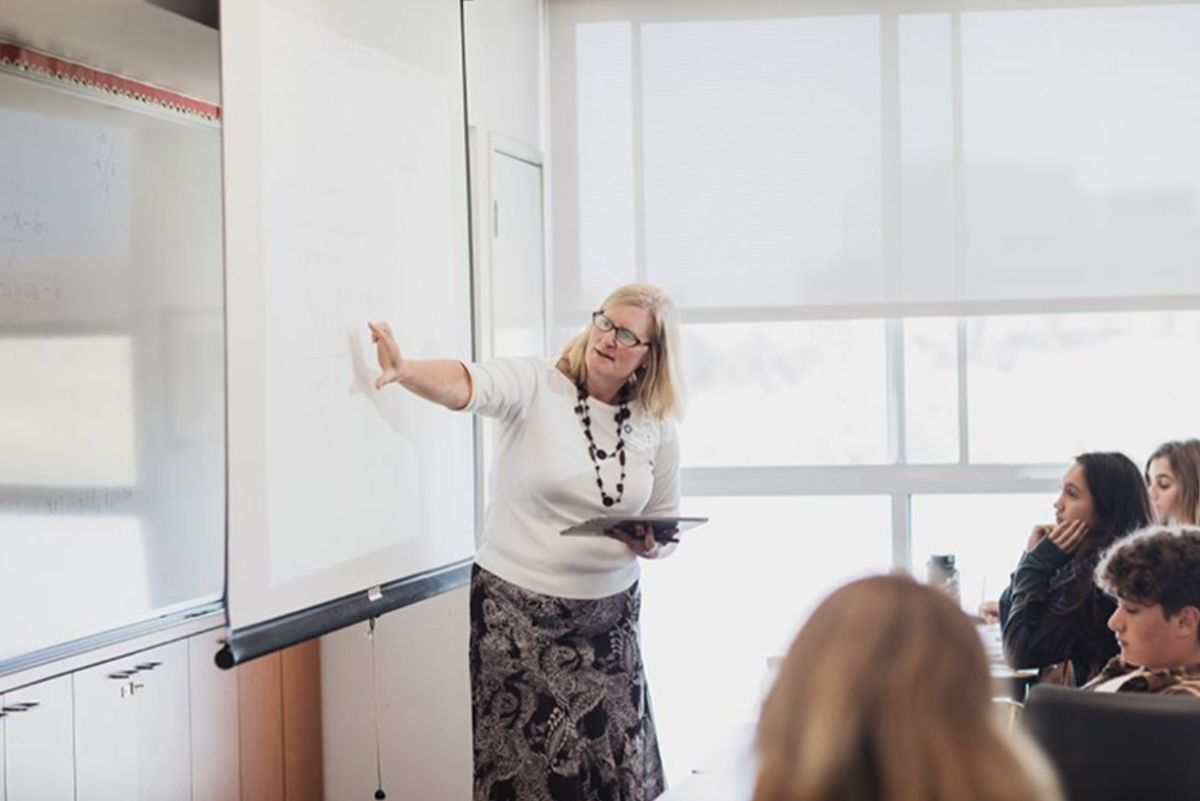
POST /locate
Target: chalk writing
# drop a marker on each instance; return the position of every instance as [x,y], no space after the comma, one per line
[82,500]
[18,228]
[105,163]
[29,288]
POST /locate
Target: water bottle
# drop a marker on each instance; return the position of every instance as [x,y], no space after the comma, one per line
[944,575]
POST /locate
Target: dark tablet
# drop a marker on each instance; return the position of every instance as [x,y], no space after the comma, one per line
[600,526]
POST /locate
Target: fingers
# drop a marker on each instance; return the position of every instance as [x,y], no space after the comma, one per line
[380,330]
[1069,534]
[1037,535]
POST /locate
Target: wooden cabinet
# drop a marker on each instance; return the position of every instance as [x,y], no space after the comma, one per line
[37,742]
[132,728]
[280,714]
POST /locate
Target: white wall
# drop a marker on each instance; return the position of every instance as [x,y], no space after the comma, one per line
[421,651]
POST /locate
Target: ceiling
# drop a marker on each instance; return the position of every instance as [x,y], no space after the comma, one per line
[171,44]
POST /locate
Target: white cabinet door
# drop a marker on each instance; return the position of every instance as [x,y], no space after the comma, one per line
[38,742]
[3,777]
[106,732]
[132,731]
[164,740]
[215,739]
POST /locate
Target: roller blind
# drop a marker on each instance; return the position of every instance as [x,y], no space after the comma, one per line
[859,159]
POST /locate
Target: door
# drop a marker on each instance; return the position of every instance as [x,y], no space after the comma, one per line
[518,276]
[517,273]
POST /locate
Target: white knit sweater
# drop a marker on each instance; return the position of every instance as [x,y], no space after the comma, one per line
[543,481]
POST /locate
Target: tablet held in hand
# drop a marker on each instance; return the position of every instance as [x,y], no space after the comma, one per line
[666,528]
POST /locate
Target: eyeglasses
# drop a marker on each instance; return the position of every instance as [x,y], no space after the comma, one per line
[625,337]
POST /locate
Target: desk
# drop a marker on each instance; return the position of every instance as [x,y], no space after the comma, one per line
[1007,682]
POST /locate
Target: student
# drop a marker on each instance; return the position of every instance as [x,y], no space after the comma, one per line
[885,695]
[1155,577]
[1051,613]
[1173,479]
[560,707]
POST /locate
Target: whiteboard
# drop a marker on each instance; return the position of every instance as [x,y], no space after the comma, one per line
[345,201]
[112,462]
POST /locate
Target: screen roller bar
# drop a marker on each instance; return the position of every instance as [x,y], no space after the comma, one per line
[261,639]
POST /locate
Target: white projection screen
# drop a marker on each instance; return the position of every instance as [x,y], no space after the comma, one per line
[345,201]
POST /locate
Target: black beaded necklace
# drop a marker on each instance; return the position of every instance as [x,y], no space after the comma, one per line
[599,454]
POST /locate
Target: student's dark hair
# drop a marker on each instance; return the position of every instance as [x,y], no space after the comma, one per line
[1157,565]
[1120,505]
[1119,498]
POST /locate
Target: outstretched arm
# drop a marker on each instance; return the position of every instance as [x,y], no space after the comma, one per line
[442,381]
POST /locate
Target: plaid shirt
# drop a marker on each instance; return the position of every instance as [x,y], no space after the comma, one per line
[1171,681]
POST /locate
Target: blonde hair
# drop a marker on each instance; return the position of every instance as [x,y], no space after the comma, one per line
[658,385]
[1184,458]
[885,696]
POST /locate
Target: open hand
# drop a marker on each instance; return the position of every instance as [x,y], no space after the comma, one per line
[1068,535]
[388,353]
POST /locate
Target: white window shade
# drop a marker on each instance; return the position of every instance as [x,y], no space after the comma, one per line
[773,155]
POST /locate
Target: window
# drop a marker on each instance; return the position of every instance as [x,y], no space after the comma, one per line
[923,260]
[785,393]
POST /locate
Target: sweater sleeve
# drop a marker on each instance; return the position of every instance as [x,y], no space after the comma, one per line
[665,494]
[1035,635]
[503,388]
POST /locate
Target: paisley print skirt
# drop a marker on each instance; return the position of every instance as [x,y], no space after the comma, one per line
[559,701]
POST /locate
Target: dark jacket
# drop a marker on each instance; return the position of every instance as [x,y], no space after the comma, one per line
[1043,622]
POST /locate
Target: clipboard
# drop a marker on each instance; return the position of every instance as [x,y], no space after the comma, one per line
[600,526]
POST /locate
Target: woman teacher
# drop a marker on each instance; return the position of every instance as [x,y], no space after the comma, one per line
[559,700]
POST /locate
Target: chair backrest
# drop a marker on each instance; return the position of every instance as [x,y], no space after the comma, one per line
[1109,746]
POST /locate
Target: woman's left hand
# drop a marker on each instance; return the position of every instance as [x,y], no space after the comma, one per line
[1068,535]
[641,540]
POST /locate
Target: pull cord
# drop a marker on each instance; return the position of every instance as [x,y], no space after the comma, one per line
[380,795]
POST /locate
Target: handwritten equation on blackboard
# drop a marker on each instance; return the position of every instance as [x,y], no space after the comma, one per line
[72,501]
[21,229]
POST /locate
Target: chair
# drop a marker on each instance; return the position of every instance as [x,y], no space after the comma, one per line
[1110,746]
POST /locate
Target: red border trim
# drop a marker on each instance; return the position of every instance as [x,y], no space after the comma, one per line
[22,58]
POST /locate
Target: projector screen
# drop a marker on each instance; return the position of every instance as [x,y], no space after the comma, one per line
[345,201]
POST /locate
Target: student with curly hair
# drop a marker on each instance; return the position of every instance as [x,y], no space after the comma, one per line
[1155,577]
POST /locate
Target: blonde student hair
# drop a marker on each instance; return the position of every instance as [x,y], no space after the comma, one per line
[658,385]
[1184,458]
[885,695]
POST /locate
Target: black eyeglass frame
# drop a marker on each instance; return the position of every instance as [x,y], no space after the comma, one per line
[608,325]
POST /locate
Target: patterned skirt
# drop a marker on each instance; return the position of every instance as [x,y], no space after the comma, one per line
[559,701]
